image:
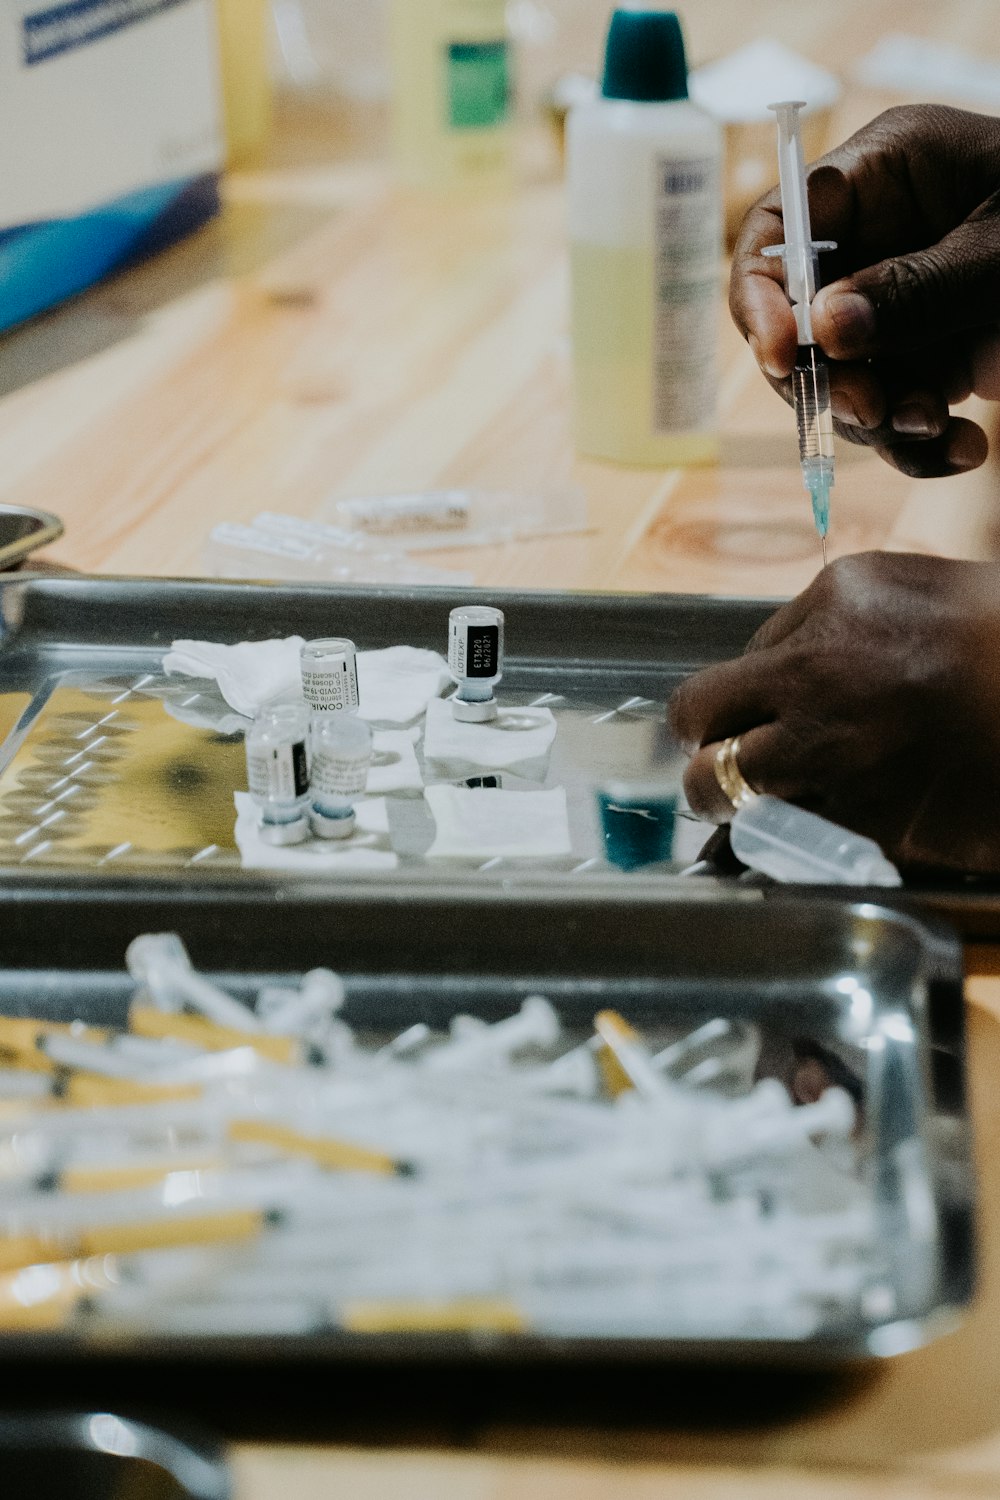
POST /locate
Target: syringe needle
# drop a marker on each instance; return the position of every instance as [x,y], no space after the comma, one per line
[823,544]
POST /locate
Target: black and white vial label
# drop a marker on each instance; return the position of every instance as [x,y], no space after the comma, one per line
[331,685]
[474,650]
[278,773]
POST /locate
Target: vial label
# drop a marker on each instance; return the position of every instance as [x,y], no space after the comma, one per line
[474,650]
[330,687]
[339,775]
[687,237]
[279,773]
[478,84]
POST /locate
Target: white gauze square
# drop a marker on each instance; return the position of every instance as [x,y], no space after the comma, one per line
[492,824]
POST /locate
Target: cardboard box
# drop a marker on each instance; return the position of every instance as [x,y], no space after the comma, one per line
[110,139]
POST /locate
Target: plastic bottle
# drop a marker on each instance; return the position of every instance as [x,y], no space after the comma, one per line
[645,222]
[246,80]
[451,90]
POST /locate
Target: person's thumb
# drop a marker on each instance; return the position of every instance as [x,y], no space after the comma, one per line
[912,300]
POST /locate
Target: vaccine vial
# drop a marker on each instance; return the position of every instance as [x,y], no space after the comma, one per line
[330,676]
[278,772]
[475,660]
[341,757]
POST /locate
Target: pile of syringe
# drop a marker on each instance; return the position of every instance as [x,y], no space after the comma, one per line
[217,1169]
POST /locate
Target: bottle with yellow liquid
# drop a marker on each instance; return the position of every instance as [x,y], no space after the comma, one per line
[645,223]
[246,81]
[451,91]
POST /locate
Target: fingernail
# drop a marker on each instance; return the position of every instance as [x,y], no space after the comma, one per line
[965,449]
[758,354]
[853,318]
[843,409]
[913,419]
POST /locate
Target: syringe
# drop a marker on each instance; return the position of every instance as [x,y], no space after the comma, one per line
[810,378]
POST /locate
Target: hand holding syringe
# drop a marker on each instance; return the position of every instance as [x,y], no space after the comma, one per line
[810,377]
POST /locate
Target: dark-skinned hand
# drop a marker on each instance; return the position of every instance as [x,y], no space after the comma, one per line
[874,699]
[910,304]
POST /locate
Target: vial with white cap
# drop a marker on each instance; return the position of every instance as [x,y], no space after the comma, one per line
[341,756]
[475,660]
[330,675]
[278,773]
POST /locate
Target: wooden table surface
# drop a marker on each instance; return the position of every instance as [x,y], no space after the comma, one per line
[331,333]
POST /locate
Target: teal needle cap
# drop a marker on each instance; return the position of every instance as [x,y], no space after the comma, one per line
[644,59]
[819,491]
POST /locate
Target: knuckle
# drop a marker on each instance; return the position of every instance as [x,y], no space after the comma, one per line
[913,286]
[898,121]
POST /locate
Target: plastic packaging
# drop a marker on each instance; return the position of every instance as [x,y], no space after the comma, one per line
[460,517]
[451,91]
[645,220]
[792,845]
[236,551]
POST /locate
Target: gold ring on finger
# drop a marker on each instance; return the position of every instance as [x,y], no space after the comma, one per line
[733,783]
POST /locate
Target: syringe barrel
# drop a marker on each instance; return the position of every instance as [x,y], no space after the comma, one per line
[800,254]
[811,391]
[792,172]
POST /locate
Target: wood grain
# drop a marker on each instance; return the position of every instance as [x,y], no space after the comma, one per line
[333,333]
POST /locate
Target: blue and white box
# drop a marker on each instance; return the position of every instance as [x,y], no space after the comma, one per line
[110,139]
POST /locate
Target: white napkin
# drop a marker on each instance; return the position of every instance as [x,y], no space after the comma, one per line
[317,856]
[394,683]
[400,771]
[517,734]
[249,675]
[484,824]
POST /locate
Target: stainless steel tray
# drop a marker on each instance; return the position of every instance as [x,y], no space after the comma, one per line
[106,761]
[98,772]
[875,989]
[23,530]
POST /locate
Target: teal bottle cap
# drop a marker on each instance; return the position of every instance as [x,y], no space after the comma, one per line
[644,59]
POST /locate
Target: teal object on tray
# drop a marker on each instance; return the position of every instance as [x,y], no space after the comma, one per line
[637,820]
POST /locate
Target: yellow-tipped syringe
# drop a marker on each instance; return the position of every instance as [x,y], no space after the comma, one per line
[810,378]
